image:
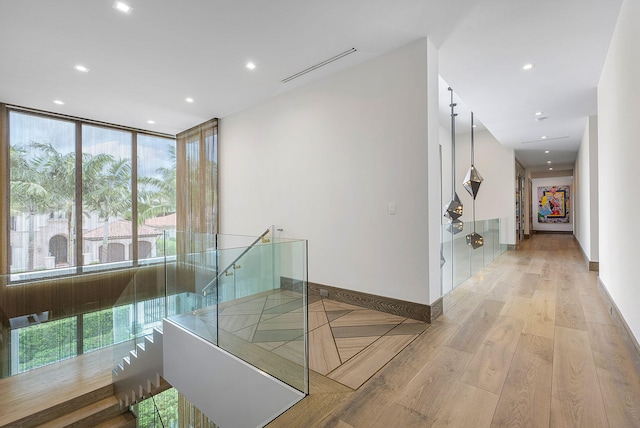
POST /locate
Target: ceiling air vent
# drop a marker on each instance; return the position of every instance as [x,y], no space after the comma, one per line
[321,64]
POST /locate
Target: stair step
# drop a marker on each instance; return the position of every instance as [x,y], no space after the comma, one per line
[125,420]
[49,406]
[88,415]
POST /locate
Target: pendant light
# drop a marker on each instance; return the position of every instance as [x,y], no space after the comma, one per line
[453,210]
[472,183]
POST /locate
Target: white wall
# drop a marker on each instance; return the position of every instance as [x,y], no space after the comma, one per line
[229,391]
[496,164]
[586,191]
[324,161]
[552,181]
[496,197]
[618,156]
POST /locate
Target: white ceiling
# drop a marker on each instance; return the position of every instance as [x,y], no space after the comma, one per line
[144,65]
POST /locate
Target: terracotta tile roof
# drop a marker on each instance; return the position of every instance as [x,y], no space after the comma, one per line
[162,222]
[120,229]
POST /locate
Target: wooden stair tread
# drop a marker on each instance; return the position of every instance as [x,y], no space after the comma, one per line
[42,394]
[93,412]
[125,420]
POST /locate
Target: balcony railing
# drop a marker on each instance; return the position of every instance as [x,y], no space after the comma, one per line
[255,309]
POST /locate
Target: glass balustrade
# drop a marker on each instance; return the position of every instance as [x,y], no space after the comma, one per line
[253,304]
[459,260]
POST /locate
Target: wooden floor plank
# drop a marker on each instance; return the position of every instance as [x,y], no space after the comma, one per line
[490,365]
[395,415]
[576,396]
[360,368]
[526,395]
[324,357]
[475,329]
[541,319]
[595,309]
[478,409]
[618,379]
[309,412]
[527,284]
[463,308]
[371,400]
[431,388]
[569,311]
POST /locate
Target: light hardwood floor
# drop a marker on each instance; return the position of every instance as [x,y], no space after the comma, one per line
[526,342]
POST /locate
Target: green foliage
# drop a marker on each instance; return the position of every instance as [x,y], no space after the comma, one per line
[165,410]
[98,329]
[166,247]
[46,343]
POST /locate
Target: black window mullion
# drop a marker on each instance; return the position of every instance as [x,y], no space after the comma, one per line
[78,211]
[134,198]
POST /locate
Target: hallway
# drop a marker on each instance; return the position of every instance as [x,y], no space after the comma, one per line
[528,341]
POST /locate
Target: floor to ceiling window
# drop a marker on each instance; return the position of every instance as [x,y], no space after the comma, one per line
[83,196]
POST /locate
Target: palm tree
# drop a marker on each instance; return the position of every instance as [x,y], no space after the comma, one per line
[106,190]
[157,196]
[29,192]
[59,170]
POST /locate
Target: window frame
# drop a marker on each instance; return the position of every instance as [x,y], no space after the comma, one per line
[5,169]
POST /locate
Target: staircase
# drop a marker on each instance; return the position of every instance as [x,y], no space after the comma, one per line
[139,373]
[98,408]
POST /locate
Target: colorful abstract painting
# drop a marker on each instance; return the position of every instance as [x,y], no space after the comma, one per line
[553,204]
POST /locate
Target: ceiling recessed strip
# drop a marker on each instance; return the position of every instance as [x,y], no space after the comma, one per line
[321,64]
[544,140]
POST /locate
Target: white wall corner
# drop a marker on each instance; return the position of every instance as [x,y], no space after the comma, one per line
[435,175]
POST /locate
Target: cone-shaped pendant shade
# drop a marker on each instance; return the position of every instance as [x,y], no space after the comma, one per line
[455,226]
[453,209]
[442,259]
[472,181]
[475,240]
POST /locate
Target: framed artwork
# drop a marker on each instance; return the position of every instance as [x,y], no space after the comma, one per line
[553,204]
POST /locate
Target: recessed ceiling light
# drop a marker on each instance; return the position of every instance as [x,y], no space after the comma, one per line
[544,137]
[189,99]
[122,7]
[550,169]
[528,66]
[548,161]
[82,68]
[251,66]
[59,102]
[546,151]
[474,126]
[151,122]
[538,113]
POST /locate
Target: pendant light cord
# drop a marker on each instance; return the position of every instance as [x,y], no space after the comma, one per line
[453,146]
[472,162]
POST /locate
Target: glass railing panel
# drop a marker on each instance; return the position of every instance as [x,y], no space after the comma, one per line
[141,306]
[503,224]
[461,256]
[459,261]
[190,287]
[159,410]
[476,256]
[446,259]
[265,323]
[50,319]
[497,236]
[489,238]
